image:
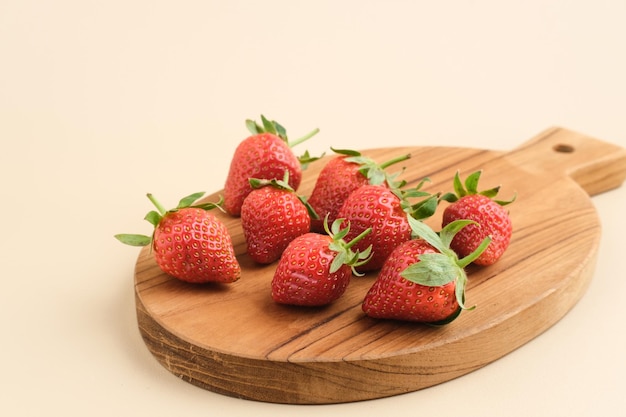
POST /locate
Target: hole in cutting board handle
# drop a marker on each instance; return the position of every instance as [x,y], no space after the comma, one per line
[563,148]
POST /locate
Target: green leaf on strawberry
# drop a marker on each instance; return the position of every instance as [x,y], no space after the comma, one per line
[437,269]
[204,255]
[267,153]
[315,269]
[470,187]
[279,184]
[154,217]
[345,254]
[134,239]
[374,172]
[189,200]
[344,174]
[306,158]
[491,218]
[283,184]
[434,269]
[424,208]
[346,152]
[275,128]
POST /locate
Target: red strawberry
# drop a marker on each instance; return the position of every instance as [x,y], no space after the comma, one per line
[423,280]
[340,176]
[266,154]
[315,269]
[385,211]
[189,242]
[491,218]
[272,215]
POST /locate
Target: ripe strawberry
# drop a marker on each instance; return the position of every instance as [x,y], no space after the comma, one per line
[272,215]
[340,176]
[423,280]
[385,211]
[315,269]
[491,218]
[189,242]
[266,154]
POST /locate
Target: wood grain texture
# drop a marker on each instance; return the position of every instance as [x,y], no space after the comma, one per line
[233,339]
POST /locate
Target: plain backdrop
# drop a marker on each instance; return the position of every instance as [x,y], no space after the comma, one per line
[103,101]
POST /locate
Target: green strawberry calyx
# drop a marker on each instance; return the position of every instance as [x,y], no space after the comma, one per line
[425,207]
[470,187]
[437,269]
[373,171]
[275,128]
[345,254]
[154,217]
[283,184]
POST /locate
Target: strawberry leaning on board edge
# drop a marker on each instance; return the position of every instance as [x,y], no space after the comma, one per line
[423,280]
[341,175]
[266,154]
[272,215]
[490,216]
[189,242]
[315,269]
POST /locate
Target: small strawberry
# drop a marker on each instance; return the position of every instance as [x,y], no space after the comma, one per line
[272,215]
[266,154]
[316,269]
[189,242]
[340,176]
[423,280]
[491,218]
[385,211]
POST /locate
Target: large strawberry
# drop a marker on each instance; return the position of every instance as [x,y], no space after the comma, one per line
[423,280]
[272,215]
[341,175]
[189,242]
[385,211]
[315,269]
[266,154]
[491,218]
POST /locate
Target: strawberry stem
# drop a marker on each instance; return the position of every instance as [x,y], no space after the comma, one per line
[359,237]
[395,161]
[156,203]
[154,217]
[475,254]
[345,256]
[303,138]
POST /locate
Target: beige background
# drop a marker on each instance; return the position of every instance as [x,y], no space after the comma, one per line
[101,102]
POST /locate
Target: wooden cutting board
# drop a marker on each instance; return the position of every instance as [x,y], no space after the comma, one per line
[233,339]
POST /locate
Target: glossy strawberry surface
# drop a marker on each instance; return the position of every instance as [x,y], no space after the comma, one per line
[492,220]
[377,207]
[334,184]
[271,218]
[264,156]
[191,244]
[303,274]
[394,297]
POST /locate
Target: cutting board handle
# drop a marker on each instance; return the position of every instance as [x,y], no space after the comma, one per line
[597,166]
